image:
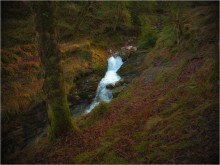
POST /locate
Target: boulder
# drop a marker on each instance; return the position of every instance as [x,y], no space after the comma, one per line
[131,48]
[86,86]
[124,55]
[127,51]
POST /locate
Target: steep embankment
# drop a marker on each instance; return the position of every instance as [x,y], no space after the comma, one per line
[167,111]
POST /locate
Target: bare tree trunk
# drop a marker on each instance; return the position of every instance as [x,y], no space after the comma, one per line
[58,110]
[178,29]
[117,16]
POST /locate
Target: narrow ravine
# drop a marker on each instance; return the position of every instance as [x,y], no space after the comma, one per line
[111,77]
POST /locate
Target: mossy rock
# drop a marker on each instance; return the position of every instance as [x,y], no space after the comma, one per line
[132,67]
[100,112]
[116,91]
[87,86]
[124,55]
[120,82]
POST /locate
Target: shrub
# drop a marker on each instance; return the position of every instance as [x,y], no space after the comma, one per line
[167,37]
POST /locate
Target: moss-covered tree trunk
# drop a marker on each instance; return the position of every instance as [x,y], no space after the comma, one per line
[58,110]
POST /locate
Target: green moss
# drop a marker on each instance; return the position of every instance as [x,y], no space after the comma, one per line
[165,61]
[85,157]
[126,69]
[93,156]
[148,59]
[207,71]
[166,75]
[173,122]
[112,158]
[98,67]
[101,111]
[170,74]
[60,120]
[111,135]
[167,37]
[97,114]
[141,147]
[109,40]
[103,44]
[81,52]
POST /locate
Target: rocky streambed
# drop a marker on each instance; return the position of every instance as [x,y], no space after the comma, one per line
[89,85]
[130,69]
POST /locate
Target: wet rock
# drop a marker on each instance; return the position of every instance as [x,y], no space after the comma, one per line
[124,56]
[120,82]
[86,87]
[110,86]
[127,51]
[132,68]
[117,84]
[117,90]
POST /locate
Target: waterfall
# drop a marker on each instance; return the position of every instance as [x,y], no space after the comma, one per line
[111,77]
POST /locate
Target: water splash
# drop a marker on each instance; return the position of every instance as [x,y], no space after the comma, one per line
[111,77]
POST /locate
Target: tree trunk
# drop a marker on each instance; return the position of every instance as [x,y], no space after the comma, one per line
[58,110]
[117,16]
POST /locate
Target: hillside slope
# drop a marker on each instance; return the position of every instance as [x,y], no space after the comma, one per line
[167,112]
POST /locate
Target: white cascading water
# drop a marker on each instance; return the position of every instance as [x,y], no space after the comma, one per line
[111,77]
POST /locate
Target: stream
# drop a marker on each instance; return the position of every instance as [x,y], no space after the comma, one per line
[111,77]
